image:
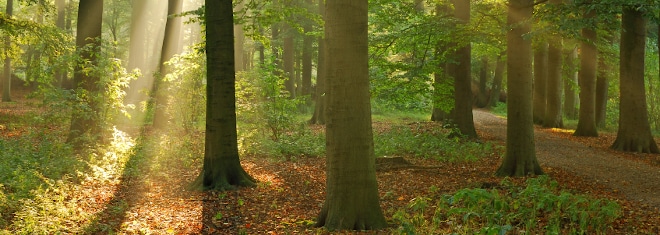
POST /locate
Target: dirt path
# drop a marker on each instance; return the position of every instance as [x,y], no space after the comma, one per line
[636,180]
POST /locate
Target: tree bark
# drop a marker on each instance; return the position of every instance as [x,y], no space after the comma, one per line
[570,85]
[462,115]
[288,57]
[540,81]
[170,48]
[553,116]
[319,91]
[6,82]
[482,98]
[352,200]
[443,95]
[587,81]
[602,84]
[86,122]
[520,158]
[307,60]
[222,168]
[496,87]
[634,134]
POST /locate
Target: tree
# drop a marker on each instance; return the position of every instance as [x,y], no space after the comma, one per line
[540,76]
[462,114]
[570,85]
[496,87]
[351,188]
[634,132]
[520,158]
[587,79]
[553,116]
[6,82]
[319,93]
[222,168]
[170,48]
[442,83]
[88,43]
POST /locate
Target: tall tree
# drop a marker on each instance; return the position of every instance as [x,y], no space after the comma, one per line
[553,116]
[351,188]
[634,132]
[482,97]
[540,81]
[587,78]
[6,81]
[520,158]
[319,92]
[61,73]
[462,72]
[570,84]
[170,48]
[137,51]
[88,30]
[222,168]
[288,57]
[496,87]
[307,52]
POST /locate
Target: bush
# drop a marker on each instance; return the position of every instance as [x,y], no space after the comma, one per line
[538,208]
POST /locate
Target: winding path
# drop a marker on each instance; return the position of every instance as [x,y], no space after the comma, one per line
[636,180]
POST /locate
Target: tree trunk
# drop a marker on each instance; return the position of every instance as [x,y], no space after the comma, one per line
[137,53]
[462,115]
[6,82]
[85,122]
[443,96]
[540,81]
[61,73]
[634,133]
[307,61]
[239,42]
[587,81]
[553,116]
[482,98]
[319,92]
[520,158]
[288,57]
[570,85]
[602,84]
[222,168]
[351,188]
[170,48]
[496,87]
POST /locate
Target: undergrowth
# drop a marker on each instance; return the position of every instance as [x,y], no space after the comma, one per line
[539,207]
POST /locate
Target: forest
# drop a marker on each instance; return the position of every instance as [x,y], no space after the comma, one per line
[330,117]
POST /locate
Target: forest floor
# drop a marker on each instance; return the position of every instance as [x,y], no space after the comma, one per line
[290,193]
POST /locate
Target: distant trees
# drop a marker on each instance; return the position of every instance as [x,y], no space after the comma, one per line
[587,77]
[6,77]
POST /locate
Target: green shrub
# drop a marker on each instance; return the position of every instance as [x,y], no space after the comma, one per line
[415,140]
[540,207]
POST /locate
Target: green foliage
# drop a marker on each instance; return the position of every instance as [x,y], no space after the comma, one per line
[268,120]
[428,142]
[539,207]
[187,90]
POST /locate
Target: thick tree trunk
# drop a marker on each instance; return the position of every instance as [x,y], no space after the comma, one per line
[170,48]
[6,81]
[553,116]
[587,81]
[570,85]
[462,115]
[520,158]
[634,133]
[496,87]
[86,122]
[137,53]
[352,200]
[222,169]
[319,92]
[540,81]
